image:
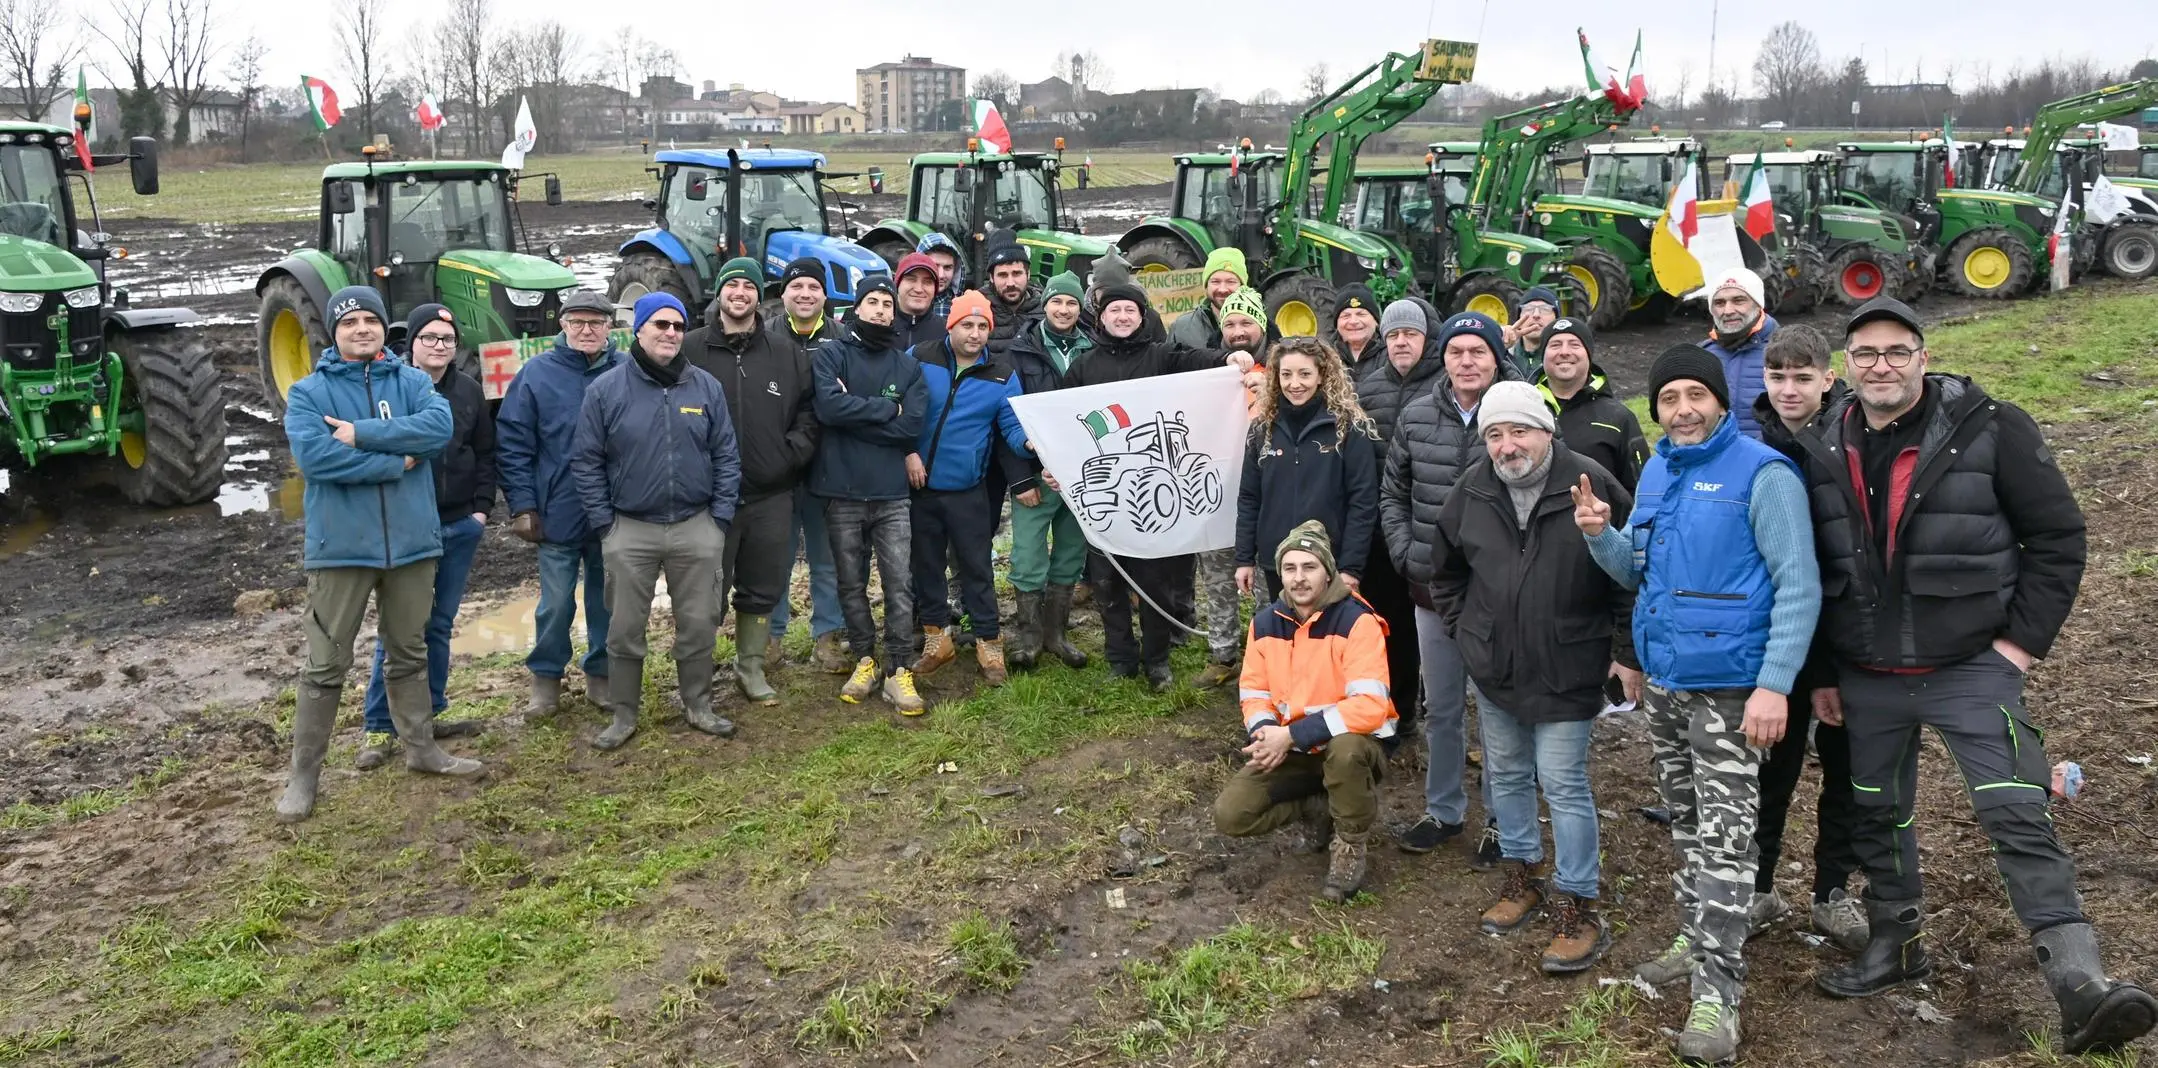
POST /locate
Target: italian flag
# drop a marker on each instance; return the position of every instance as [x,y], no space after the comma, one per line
[1948,168]
[1760,205]
[1626,94]
[1683,214]
[321,101]
[2057,241]
[429,113]
[989,126]
[1103,422]
[86,123]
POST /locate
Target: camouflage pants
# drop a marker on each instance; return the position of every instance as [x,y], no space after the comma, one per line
[1224,608]
[1710,780]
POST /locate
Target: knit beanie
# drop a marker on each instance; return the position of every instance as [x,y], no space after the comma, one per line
[1740,278]
[739,267]
[1065,284]
[423,315]
[357,298]
[641,312]
[805,267]
[1577,327]
[875,283]
[1515,402]
[1355,295]
[1469,322]
[1687,361]
[1402,315]
[1309,536]
[1245,301]
[1227,258]
[968,303]
[1004,248]
[1112,269]
[1538,293]
[1111,294]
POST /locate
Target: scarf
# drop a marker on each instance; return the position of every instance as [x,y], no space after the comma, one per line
[666,374]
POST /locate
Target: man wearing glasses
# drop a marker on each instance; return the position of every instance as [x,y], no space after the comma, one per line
[464,474]
[1524,337]
[534,431]
[1951,548]
[658,472]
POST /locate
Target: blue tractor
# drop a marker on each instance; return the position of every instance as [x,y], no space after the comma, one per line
[715,204]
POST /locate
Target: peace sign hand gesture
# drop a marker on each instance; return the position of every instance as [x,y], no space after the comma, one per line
[1593,516]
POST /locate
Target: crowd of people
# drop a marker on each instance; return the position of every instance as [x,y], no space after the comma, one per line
[1437,513]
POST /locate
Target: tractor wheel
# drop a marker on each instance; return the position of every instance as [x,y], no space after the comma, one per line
[1162,254]
[1990,263]
[1301,305]
[177,456]
[1809,287]
[646,272]
[891,248]
[1652,310]
[2131,251]
[289,336]
[1493,296]
[1603,281]
[1859,274]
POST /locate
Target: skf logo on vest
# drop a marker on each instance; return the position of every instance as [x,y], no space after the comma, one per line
[1707,487]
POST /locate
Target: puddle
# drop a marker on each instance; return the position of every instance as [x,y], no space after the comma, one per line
[19,535]
[508,627]
[287,497]
[161,286]
[595,270]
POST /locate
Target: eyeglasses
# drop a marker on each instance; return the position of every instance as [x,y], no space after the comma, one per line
[1538,306]
[667,326]
[585,324]
[1897,357]
[440,341]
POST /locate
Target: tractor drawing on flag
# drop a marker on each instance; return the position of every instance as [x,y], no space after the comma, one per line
[1148,478]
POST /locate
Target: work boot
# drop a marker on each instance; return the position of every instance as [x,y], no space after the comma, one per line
[1315,824]
[899,690]
[694,678]
[830,655]
[1841,920]
[863,682]
[1218,673]
[1486,855]
[989,656]
[1766,911]
[313,718]
[1345,868]
[625,695]
[546,698]
[1711,1034]
[937,650]
[752,637]
[1519,897]
[1159,678]
[1023,638]
[1674,963]
[1578,935]
[414,717]
[2098,1015]
[1427,834]
[1895,953]
[1056,627]
[375,750]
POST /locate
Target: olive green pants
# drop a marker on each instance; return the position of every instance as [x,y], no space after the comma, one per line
[337,604]
[1347,771]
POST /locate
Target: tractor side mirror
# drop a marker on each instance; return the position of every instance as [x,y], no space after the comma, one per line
[1664,168]
[854,233]
[142,165]
[554,191]
[963,180]
[342,202]
[695,191]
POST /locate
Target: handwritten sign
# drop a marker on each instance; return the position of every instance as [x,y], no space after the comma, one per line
[1172,292]
[501,360]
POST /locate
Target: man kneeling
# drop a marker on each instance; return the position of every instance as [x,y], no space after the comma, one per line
[1315,703]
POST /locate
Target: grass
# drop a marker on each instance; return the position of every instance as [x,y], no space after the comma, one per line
[1581,1038]
[1239,975]
[23,815]
[988,953]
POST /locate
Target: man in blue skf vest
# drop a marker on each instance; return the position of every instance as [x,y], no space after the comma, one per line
[1720,548]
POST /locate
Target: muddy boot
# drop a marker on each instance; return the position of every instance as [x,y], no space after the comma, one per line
[1674,963]
[1345,868]
[1315,824]
[1711,1034]
[752,634]
[312,721]
[1895,953]
[415,722]
[1056,627]
[1578,935]
[1842,920]
[1159,678]
[937,650]
[625,695]
[1767,911]
[1219,673]
[694,678]
[1023,638]
[1519,897]
[546,698]
[375,750]
[989,656]
[2098,1015]
[830,655]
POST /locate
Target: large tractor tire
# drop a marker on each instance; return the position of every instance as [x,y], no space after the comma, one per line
[1860,273]
[1300,305]
[1603,281]
[178,457]
[1163,253]
[648,272]
[2130,251]
[1812,278]
[892,249]
[289,338]
[1493,296]
[1991,264]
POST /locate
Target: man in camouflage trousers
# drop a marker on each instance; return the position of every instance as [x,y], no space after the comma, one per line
[1243,329]
[1719,546]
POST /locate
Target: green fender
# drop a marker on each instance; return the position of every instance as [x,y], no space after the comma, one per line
[1193,235]
[317,273]
[906,230]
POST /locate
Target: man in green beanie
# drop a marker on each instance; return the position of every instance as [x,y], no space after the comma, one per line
[1048,548]
[769,398]
[1200,328]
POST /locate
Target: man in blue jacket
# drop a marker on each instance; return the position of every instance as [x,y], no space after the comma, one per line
[658,472]
[1719,547]
[362,428]
[1739,329]
[534,430]
[970,395]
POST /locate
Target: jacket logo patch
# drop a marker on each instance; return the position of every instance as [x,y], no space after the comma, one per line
[1707,487]
[772,388]
[686,410]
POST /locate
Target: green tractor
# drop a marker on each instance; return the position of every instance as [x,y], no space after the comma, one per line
[419,232]
[1864,252]
[1396,203]
[2053,166]
[83,374]
[1987,243]
[967,195]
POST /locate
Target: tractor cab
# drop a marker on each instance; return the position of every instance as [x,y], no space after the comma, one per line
[1997,162]
[1232,199]
[966,196]
[1898,176]
[1397,203]
[2146,165]
[1641,171]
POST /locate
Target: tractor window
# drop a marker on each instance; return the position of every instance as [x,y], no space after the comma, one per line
[1888,179]
[2051,184]
[33,199]
[2148,168]
[699,223]
[939,203]
[1019,200]
[348,232]
[782,200]
[433,215]
[2004,167]
[1207,200]
[1635,177]
[1370,211]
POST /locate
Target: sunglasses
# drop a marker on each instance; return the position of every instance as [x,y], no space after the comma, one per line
[667,326]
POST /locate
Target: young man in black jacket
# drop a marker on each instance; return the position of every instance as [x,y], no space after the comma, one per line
[464,492]
[1594,422]
[769,398]
[1951,548]
[806,329]
[1013,297]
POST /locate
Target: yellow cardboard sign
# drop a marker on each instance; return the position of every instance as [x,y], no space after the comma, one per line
[1452,62]
[1172,292]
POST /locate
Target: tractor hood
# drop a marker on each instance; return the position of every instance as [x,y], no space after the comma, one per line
[1522,243]
[1354,242]
[512,269]
[28,266]
[2000,196]
[1092,248]
[845,263]
[1568,202]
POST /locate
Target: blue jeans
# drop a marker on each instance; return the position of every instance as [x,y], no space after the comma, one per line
[558,565]
[1518,757]
[824,614]
[1446,736]
[460,542]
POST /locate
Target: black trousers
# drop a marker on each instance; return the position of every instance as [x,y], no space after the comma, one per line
[756,567]
[1113,598]
[1835,854]
[957,526]
[1388,592]
[1976,708]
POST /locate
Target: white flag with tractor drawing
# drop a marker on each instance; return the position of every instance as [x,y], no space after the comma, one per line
[1151,467]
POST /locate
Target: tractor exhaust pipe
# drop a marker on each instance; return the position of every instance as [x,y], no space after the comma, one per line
[732,199]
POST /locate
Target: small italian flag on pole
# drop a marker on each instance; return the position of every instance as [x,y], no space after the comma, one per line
[85,121]
[321,101]
[1948,166]
[1103,422]
[1760,219]
[988,127]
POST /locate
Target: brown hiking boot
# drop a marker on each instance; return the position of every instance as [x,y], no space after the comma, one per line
[1578,935]
[1519,897]
[937,650]
[1218,674]
[1345,869]
[830,655]
[989,656]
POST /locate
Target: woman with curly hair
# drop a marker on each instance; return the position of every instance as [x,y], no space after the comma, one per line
[1312,455]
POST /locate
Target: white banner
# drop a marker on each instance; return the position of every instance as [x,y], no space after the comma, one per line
[1151,467]
[2117,138]
[2104,202]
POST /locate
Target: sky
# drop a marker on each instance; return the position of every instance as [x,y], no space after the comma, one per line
[1245,46]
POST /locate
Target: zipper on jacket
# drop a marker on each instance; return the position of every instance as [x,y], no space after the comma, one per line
[382,493]
[1709,596]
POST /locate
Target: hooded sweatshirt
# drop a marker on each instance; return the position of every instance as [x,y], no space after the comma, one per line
[942,306]
[365,506]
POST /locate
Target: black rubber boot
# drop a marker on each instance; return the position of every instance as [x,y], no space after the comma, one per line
[1056,624]
[1023,635]
[625,695]
[694,677]
[1895,953]
[2098,1015]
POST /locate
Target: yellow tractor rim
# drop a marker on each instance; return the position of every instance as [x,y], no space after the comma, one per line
[1586,279]
[1492,308]
[1296,319]
[133,448]
[290,360]
[1987,267]
[1154,268]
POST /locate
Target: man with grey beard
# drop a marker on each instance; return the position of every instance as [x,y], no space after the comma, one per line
[1739,329]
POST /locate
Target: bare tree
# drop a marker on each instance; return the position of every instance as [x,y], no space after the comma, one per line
[1788,65]
[558,62]
[360,30]
[1315,84]
[1675,100]
[246,73]
[36,50]
[186,48]
[126,30]
[466,31]
[998,86]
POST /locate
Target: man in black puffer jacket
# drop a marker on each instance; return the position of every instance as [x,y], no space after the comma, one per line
[1013,297]
[1594,422]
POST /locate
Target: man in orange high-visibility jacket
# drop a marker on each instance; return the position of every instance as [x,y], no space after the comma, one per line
[1315,704]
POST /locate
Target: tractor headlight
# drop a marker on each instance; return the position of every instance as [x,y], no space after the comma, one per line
[21,302]
[854,279]
[564,292]
[525,298]
[1513,258]
[86,297]
[1367,263]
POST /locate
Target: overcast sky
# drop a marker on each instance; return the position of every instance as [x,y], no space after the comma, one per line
[810,49]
